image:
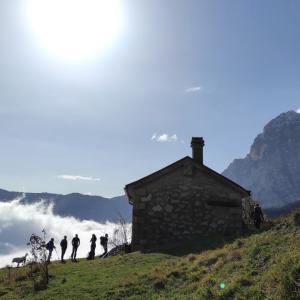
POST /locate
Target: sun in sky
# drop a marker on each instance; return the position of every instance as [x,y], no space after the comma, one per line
[74,29]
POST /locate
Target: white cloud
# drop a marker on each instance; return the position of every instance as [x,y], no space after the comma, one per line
[164,138]
[78,177]
[194,89]
[88,194]
[154,136]
[298,110]
[18,221]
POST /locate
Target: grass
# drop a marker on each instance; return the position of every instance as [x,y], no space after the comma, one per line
[262,265]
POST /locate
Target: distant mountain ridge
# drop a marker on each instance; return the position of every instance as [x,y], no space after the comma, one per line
[272,168]
[83,207]
[271,171]
[276,212]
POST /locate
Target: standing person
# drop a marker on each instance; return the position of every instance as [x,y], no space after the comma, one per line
[93,247]
[258,216]
[50,246]
[75,244]
[63,245]
[103,242]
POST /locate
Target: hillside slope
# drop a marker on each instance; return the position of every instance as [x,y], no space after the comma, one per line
[263,265]
[272,168]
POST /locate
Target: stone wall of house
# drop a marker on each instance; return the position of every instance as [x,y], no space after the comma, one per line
[182,204]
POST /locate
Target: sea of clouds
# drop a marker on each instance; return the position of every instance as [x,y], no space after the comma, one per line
[18,221]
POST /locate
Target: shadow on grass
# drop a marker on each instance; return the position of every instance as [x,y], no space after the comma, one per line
[198,244]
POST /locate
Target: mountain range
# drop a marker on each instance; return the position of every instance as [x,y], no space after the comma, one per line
[83,207]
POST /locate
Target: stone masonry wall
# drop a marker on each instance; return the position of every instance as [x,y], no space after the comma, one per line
[182,204]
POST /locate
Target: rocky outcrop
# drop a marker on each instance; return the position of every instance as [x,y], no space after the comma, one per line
[272,168]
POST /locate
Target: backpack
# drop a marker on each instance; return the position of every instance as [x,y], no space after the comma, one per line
[102,240]
[48,246]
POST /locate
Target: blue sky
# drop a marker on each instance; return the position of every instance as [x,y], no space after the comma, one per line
[177,69]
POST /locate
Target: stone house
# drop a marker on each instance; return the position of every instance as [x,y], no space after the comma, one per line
[183,200]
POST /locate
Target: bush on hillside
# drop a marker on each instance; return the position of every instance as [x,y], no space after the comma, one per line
[296,218]
[291,283]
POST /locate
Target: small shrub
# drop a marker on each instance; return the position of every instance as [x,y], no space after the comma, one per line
[191,257]
[194,269]
[39,286]
[268,224]
[205,293]
[228,293]
[235,255]
[195,277]
[254,273]
[175,274]
[245,282]
[255,250]
[34,268]
[209,281]
[20,278]
[159,285]
[211,261]
[296,218]
[3,293]
[9,271]
[239,244]
[291,284]
[219,264]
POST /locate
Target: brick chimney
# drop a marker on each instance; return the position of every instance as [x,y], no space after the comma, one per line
[197,145]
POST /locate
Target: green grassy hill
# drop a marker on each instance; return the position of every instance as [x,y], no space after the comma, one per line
[261,265]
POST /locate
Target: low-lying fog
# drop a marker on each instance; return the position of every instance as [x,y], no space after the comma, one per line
[19,221]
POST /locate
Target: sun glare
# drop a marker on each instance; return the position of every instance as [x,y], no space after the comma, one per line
[74,29]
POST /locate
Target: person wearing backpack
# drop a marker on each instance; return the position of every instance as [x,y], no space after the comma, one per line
[103,242]
[75,244]
[63,245]
[50,246]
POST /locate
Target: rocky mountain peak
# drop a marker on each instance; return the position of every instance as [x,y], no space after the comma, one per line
[271,170]
[283,120]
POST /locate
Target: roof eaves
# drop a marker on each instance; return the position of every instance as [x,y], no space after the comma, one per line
[234,184]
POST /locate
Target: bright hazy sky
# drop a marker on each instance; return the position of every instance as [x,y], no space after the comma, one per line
[169,70]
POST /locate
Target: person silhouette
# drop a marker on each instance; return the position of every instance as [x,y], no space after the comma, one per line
[75,244]
[63,245]
[103,242]
[258,216]
[50,247]
[93,247]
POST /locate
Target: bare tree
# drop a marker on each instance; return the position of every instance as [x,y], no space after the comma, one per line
[120,241]
[39,266]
